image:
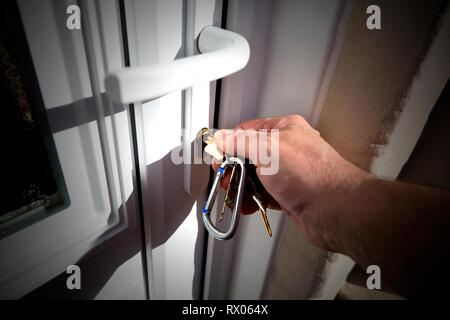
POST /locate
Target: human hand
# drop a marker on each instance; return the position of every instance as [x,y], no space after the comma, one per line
[311,174]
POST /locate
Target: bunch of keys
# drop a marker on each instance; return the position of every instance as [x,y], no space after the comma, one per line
[243,178]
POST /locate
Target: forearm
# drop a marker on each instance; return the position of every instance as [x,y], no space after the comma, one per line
[400,227]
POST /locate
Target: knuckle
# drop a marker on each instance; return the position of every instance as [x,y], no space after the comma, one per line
[298,119]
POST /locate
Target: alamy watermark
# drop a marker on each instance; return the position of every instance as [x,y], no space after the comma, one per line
[74,280]
[260,147]
[373,22]
[73,21]
[374,280]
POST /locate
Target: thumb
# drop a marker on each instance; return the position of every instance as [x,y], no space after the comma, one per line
[242,143]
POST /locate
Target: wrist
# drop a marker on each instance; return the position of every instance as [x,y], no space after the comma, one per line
[340,216]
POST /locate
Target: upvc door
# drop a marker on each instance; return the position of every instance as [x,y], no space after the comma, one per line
[128,223]
[95,225]
[127,217]
[160,31]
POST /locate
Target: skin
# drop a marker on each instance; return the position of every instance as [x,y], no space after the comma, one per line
[402,228]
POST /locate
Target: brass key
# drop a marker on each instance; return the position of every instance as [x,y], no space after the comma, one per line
[227,199]
[264,215]
[256,188]
[211,147]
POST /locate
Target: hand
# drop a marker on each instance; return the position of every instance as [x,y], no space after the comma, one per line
[311,173]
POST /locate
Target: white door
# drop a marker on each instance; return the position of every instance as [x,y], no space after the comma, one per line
[127,220]
[96,222]
[285,74]
[115,160]
[161,31]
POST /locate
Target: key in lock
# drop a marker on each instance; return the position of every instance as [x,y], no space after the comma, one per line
[243,180]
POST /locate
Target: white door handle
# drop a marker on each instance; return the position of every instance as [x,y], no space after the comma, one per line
[222,53]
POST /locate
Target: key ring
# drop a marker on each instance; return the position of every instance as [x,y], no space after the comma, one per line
[212,197]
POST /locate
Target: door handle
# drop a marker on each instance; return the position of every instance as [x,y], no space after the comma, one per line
[222,53]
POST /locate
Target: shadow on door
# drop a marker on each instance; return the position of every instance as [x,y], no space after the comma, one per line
[123,241]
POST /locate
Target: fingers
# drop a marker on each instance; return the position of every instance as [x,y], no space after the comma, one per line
[243,143]
[274,123]
[248,204]
[248,137]
[255,124]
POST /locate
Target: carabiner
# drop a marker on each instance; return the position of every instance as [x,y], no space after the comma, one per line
[212,197]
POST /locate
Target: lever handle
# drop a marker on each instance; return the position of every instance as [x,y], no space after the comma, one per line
[222,53]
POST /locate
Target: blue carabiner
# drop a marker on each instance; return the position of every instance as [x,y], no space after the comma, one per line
[212,197]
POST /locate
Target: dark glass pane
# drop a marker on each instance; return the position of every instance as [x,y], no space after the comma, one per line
[32,183]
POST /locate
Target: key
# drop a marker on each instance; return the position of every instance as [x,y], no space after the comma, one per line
[264,215]
[227,199]
[211,147]
[255,187]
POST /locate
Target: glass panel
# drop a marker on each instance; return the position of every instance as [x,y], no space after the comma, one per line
[32,182]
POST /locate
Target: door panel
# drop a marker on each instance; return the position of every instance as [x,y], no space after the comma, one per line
[98,234]
[173,227]
[289,57]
